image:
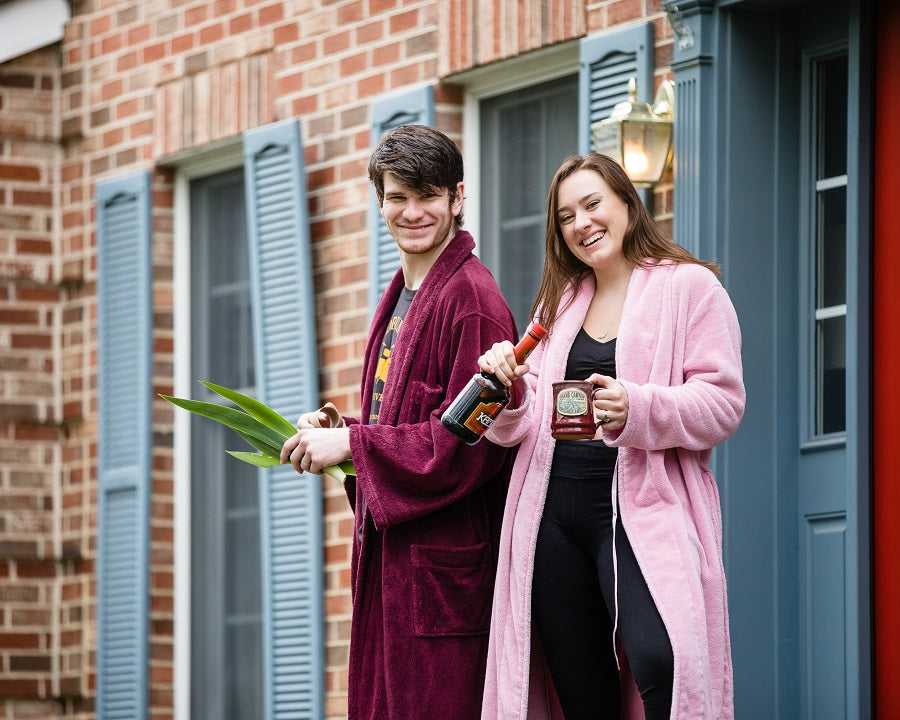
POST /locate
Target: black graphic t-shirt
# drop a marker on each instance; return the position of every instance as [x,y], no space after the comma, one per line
[387,346]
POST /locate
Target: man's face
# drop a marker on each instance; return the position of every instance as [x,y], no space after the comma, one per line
[420,222]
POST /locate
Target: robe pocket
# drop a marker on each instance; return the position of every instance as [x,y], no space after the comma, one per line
[423,399]
[452,588]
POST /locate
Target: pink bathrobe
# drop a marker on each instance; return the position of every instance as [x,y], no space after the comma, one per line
[678,357]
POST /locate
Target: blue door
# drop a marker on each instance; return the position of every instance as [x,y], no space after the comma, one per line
[788,209]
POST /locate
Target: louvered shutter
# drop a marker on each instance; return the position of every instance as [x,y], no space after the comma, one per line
[287,380]
[415,107]
[607,61]
[125,389]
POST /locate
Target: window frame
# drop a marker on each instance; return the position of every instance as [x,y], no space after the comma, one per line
[497,79]
[810,191]
[196,165]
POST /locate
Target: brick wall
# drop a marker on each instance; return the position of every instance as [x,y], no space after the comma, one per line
[132,83]
[44,593]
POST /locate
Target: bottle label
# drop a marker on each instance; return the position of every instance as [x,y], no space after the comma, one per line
[482,417]
[572,401]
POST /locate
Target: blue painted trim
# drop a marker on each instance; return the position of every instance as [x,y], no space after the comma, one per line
[411,107]
[124,342]
[287,379]
[612,48]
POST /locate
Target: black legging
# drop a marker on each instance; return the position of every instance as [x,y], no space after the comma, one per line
[574,584]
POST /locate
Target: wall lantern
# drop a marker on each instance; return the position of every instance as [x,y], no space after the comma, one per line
[638,136]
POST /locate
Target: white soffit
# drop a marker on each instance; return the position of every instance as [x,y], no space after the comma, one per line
[27,25]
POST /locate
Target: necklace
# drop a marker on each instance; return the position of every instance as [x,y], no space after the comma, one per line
[612,323]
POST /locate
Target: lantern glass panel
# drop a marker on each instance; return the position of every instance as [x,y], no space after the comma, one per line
[646,149]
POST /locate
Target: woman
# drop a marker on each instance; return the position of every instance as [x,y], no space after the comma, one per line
[610,596]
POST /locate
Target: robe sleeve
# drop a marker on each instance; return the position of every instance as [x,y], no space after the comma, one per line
[415,468]
[707,408]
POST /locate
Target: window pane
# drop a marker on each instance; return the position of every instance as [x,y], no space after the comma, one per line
[226,622]
[829,235]
[526,134]
[832,230]
[228,251]
[242,576]
[832,117]
[831,362]
[521,138]
[243,691]
[522,267]
[228,337]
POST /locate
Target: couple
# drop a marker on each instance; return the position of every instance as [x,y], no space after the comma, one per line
[609,597]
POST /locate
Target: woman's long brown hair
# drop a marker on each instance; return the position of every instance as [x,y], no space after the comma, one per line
[643,242]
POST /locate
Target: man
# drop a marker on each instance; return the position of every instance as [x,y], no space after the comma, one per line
[427,507]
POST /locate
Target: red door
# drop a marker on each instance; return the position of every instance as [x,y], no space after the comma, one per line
[886,371]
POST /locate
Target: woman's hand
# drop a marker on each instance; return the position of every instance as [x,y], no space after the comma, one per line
[500,361]
[610,402]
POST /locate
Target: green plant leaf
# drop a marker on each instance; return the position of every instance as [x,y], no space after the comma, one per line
[264,447]
[336,472]
[237,420]
[259,459]
[257,424]
[266,415]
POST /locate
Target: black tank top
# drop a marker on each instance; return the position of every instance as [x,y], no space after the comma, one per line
[588,356]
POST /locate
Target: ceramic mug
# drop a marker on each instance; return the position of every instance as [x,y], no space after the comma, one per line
[573,410]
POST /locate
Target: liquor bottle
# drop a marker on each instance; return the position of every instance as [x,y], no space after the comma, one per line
[484,396]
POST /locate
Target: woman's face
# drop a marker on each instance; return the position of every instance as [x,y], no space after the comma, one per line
[593,219]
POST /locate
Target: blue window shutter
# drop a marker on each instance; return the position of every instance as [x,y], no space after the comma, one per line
[125,392]
[607,61]
[287,380]
[415,107]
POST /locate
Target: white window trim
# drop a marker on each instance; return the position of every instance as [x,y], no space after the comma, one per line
[188,167]
[495,79]
[27,25]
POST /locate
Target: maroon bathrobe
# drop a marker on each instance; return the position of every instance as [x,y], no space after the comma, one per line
[427,507]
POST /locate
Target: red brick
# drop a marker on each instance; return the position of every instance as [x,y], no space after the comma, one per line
[128,61]
[183,43]
[111,44]
[40,198]
[287,33]
[223,7]
[19,688]
[240,24]
[196,15]
[351,12]
[100,25]
[152,53]
[30,341]
[19,172]
[10,316]
[20,641]
[271,14]
[138,35]
[369,33]
[404,21]
[337,42]
[212,33]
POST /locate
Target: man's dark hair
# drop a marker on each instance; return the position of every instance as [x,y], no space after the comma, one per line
[421,158]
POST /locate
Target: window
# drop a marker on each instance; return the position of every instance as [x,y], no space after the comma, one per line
[829,229]
[225,585]
[526,134]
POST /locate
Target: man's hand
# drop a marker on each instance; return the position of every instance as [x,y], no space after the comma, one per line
[313,448]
